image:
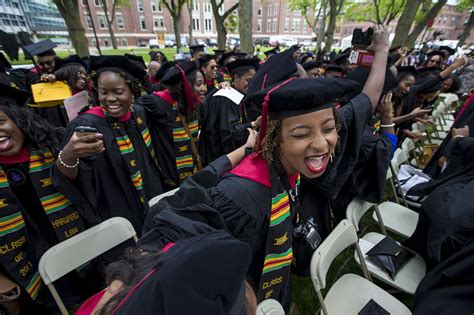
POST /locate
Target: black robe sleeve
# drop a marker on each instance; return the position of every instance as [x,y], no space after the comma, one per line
[221,130]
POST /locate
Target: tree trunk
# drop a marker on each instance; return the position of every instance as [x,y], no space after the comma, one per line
[245,26]
[177,32]
[431,14]
[467,29]
[70,13]
[221,33]
[109,23]
[405,22]
[322,25]
[189,5]
[331,25]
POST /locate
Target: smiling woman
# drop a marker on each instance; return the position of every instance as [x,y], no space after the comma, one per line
[116,166]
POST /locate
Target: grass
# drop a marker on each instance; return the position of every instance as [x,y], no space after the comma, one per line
[303,293]
[144,52]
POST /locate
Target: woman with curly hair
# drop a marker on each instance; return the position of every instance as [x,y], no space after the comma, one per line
[35,214]
[113,161]
[298,137]
[174,119]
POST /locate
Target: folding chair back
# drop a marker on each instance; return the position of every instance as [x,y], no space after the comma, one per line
[155,199]
[343,236]
[356,210]
[399,157]
[270,307]
[80,249]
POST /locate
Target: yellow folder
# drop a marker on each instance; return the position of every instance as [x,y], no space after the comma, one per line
[50,93]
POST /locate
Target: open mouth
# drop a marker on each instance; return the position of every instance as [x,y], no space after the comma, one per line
[5,143]
[114,108]
[316,164]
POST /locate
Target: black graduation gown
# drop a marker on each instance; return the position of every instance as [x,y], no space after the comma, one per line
[448,288]
[359,168]
[467,118]
[223,128]
[446,221]
[104,179]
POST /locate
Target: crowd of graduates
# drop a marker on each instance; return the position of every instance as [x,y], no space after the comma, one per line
[256,150]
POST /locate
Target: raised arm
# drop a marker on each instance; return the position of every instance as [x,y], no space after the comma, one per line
[374,84]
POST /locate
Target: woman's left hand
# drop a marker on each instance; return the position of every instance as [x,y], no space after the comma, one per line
[224,85]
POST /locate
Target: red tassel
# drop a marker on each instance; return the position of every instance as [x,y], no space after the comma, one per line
[191,99]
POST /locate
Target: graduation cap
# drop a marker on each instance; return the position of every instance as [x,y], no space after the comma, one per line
[163,69]
[177,73]
[391,50]
[138,59]
[12,96]
[272,51]
[68,61]
[219,52]
[450,50]
[427,71]
[435,53]
[276,69]
[4,64]
[204,60]
[334,68]
[295,47]
[407,69]
[195,275]
[196,48]
[305,57]
[42,48]
[114,61]
[341,58]
[295,97]
[432,88]
[241,64]
[311,65]
[361,74]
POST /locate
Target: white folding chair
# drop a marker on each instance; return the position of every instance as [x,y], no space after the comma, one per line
[81,248]
[408,277]
[155,199]
[399,158]
[408,145]
[270,307]
[351,292]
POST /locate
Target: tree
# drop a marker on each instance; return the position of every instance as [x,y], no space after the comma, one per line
[423,22]
[220,19]
[69,10]
[376,11]
[189,5]
[245,26]
[175,7]
[405,22]
[465,5]
[111,17]
[317,22]
[335,7]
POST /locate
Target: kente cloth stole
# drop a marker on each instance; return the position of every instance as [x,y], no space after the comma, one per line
[16,252]
[185,165]
[129,155]
[278,250]
[227,77]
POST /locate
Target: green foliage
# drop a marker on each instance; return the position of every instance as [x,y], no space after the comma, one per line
[307,8]
[232,23]
[381,11]
[464,5]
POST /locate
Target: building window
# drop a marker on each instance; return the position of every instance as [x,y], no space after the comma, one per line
[120,22]
[123,42]
[274,26]
[195,5]
[142,23]
[158,22]
[287,24]
[208,25]
[102,21]
[94,42]
[337,30]
[207,6]
[106,42]
[89,21]
[155,6]
[140,5]
[259,12]
[196,24]
[83,2]
[97,3]
[297,25]
[259,25]
[269,25]
[269,10]
[275,9]
[305,26]
[222,10]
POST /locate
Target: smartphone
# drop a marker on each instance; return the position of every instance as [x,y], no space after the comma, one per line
[86,129]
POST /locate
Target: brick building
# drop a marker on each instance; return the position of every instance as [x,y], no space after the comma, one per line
[139,22]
